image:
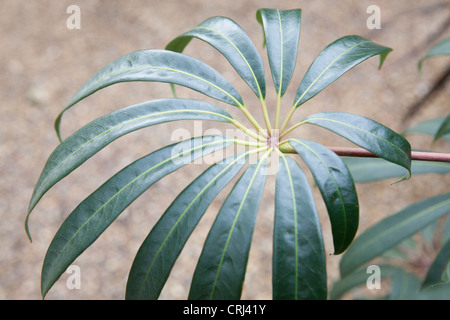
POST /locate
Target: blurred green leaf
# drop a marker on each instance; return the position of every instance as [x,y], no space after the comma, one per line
[374,169]
[430,127]
[438,271]
[439,49]
[444,129]
[392,230]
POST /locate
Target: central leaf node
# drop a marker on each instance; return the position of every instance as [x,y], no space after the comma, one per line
[273,139]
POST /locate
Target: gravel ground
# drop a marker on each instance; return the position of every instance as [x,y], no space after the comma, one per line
[44,63]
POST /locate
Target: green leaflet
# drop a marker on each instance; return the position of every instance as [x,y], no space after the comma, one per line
[367,134]
[160,66]
[93,215]
[299,266]
[337,188]
[336,59]
[230,40]
[164,243]
[392,230]
[281,35]
[90,139]
[222,264]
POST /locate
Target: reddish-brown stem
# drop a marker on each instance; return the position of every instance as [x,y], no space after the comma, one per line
[415,155]
[358,152]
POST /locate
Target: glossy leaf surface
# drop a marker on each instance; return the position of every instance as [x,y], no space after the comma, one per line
[337,188]
[229,39]
[281,36]
[368,134]
[336,59]
[392,230]
[222,264]
[90,139]
[299,266]
[159,251]
[159,66]
[93,215]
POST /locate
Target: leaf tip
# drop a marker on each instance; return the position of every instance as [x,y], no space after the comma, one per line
[383,57]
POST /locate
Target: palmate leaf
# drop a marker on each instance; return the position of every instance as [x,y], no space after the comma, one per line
[367,134]
[299,262]
[164,243]
[222,264]
[337,188]
[159,66]
[299,266]
[281,35]
[230,40]
[94,214]
[392,230]
[336,59]
[87,141]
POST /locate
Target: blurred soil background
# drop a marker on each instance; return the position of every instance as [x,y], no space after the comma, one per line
[43,63]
